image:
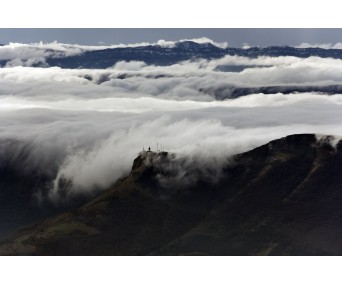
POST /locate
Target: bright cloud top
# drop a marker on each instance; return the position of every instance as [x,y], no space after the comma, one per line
[87,125]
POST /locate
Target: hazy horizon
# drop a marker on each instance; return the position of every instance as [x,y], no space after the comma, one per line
[234,37]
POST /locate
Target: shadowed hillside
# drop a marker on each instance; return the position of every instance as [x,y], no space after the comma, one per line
[283,198]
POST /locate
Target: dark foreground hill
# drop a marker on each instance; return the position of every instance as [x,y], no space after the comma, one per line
[283,198]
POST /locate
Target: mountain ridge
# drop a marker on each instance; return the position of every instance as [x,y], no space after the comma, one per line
[167,55]
[159,55]
[282,198]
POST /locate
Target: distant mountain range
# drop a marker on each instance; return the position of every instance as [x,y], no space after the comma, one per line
[283,198]
[187,50]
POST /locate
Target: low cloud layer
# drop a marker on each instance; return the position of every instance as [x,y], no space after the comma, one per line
[83,127]
[194,81]
[92,150]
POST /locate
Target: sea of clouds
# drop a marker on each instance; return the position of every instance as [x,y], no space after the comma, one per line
[87,126]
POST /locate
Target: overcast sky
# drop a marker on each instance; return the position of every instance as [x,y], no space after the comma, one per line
[234,37]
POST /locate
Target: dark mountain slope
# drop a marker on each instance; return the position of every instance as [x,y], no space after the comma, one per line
[287,200]
[283,198]
[18,185]
[25,181]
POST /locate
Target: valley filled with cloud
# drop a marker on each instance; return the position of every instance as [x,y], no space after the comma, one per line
[85,126]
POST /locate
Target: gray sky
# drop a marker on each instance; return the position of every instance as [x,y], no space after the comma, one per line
[235,37]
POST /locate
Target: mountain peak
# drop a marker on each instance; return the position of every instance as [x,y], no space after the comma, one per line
[146,158]
[273,200]
[195,46]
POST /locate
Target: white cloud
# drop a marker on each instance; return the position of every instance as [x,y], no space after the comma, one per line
[195,81]
[204,142]
[337,45]
[246,45]
[86,126]
[149,104]
[202,40]
[129,66]
[92,149]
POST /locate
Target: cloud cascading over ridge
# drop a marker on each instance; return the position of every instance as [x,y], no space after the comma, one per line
[87,125]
